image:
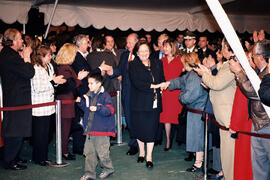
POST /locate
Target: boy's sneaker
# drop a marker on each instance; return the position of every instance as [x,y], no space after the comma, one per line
[86,177]
[105,174]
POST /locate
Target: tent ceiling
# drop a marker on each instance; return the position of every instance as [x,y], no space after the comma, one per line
[246,15]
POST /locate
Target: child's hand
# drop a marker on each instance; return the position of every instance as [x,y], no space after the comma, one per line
[93,108]
[78,99]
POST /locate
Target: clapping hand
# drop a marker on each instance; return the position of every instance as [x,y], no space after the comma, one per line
[82,74]
[78,99]
[93,108]
[59,79]
[26,52]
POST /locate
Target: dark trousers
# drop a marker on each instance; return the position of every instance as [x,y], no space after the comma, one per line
[12,149]
[159,132]
[180,131]
[76,131]
[40,138]
[126,106]
[65,124]
[52,127]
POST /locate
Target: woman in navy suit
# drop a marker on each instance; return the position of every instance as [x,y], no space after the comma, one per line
[146,77]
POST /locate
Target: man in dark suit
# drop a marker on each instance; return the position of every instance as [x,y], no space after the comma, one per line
[204,50]
[110,46]
[160,53]
[122,70]
[16,71]
[180,40]
[100,56]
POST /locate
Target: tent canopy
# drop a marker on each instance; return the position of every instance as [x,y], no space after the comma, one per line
[245,15]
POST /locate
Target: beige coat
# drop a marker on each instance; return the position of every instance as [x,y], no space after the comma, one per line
[222,90]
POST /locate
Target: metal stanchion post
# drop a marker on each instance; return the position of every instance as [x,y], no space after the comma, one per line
[119,119]
[119,138]
[205,147]
[59,162]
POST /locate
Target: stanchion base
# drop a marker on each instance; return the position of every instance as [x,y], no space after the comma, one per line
[201,177]
[119,144]
[64,164]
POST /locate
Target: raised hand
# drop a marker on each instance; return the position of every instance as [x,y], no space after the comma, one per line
[201,69]
[82,74]
[110,71]
[235,67]
[103,73]
[105,67]
[59,79]
[26,53]
[78,99]
[255,36]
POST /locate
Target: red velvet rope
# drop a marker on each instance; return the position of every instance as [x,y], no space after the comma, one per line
[267,136]
[35,105]
[29,107]
[73,101]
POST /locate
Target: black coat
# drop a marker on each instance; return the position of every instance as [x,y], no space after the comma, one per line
[15,76]
[95,59]
[78,65]
[141,95]
[264,91]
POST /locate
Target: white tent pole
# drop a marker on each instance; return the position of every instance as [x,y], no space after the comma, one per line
[24,31]
[232,38]
[50,21]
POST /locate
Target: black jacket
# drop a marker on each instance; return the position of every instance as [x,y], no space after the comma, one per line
[78,65]
[95,59]
[264,91]
[142,96]
[15,76]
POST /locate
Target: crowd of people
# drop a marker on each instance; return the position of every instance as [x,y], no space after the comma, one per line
[172,85]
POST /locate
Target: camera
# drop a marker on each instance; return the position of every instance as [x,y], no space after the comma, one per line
[233,58]
[194,66]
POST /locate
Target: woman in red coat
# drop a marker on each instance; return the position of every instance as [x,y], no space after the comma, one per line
[241,122]
[171,106]
[65,57]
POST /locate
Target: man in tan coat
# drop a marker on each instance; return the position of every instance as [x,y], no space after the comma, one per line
[222,90]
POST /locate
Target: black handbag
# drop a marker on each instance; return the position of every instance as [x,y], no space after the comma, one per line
[182,116]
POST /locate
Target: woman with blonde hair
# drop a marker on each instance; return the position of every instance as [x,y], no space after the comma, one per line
[194,96]
[64,58]
[171,107]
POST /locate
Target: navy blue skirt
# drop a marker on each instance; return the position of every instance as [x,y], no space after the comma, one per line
[144,125]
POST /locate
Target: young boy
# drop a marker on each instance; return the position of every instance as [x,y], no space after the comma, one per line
[98,124]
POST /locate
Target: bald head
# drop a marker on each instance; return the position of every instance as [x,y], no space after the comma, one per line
[132,39]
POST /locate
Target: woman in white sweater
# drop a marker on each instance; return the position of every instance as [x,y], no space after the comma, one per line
[42,91]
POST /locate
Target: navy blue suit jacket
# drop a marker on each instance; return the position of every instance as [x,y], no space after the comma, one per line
[81,64]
